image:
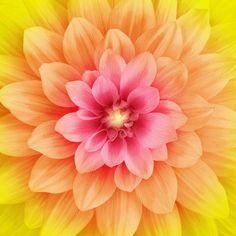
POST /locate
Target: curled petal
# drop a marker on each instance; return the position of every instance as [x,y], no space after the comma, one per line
[96,141]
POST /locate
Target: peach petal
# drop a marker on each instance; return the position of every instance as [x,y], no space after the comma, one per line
[160,154]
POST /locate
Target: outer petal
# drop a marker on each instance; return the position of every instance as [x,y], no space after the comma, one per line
[196,30]
[54,77]
[160,154]
[27,102]
[52,176]
[158,193]
[120,215]
[47,141]
[14,136]
[42,46]
[133,17]
[97,12]
[185,151]
[93,189]
[80,40]
[199,190]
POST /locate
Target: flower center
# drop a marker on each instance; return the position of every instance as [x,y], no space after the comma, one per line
[117,118]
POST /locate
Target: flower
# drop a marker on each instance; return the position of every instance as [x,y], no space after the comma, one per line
[117,118]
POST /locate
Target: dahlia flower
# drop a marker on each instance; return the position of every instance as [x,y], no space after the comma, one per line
[117,118]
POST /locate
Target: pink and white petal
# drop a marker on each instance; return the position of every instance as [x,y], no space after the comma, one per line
[153,130]
[195,29]
[118,42]
[138,160]
[133,17]
[143,99]
[96,141]
[171,77]
[125,180]
[81,94]
[46,140]
[141,71]
[162,41]
[160,154]
[52,176]
[65,218]
[42,46]
[111,66]
[104,91]
[93,189]
[54,77]
[89,76]
[87,115]
[200,191]
[114,152]
[27,102]
[185,151]
[74,129]
[14,136]
[160,190]
[120,215]
[174,112]
[80,40]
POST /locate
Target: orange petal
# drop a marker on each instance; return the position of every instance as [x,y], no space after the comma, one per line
[133,17]
[160,190]
[27,102]
[65,218]
[165,40]
[97,12]
[94,188]
[200,191]
[14,136]
[120,215]
[52,176]
[42,46]
[47,141]
[195,29]
[186,151]
[80,41]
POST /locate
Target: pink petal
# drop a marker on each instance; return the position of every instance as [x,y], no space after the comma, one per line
[113,152]
[154,130]
[86,115]
[74,129]
[80,93]
[104,91]
[96,141]
[89,76]
[143,99]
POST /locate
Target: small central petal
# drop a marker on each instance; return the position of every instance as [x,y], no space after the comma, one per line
[117,118]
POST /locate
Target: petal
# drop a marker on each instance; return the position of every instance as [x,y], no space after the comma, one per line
[140,71]
[160,154]
[65,218]
[171,77]
[125,180]
[80,93]
[42,46]
[96,141]
[185,151]
[195,29]
[27,102]
[14,136]
[87,161]
[118,42]
[54,77]
[165,40]
[174,112]
[52,176]
[104,91]
[133,17]
[154,130]
[160,190]
[80,40]
[200,191]
[97,12]
[89,76]
[93,189]
[120,215]
[113,152]
[74,129]
[111,66]
[139,159]
[47,141]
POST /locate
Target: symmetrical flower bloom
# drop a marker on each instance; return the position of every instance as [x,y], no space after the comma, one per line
[117,118]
